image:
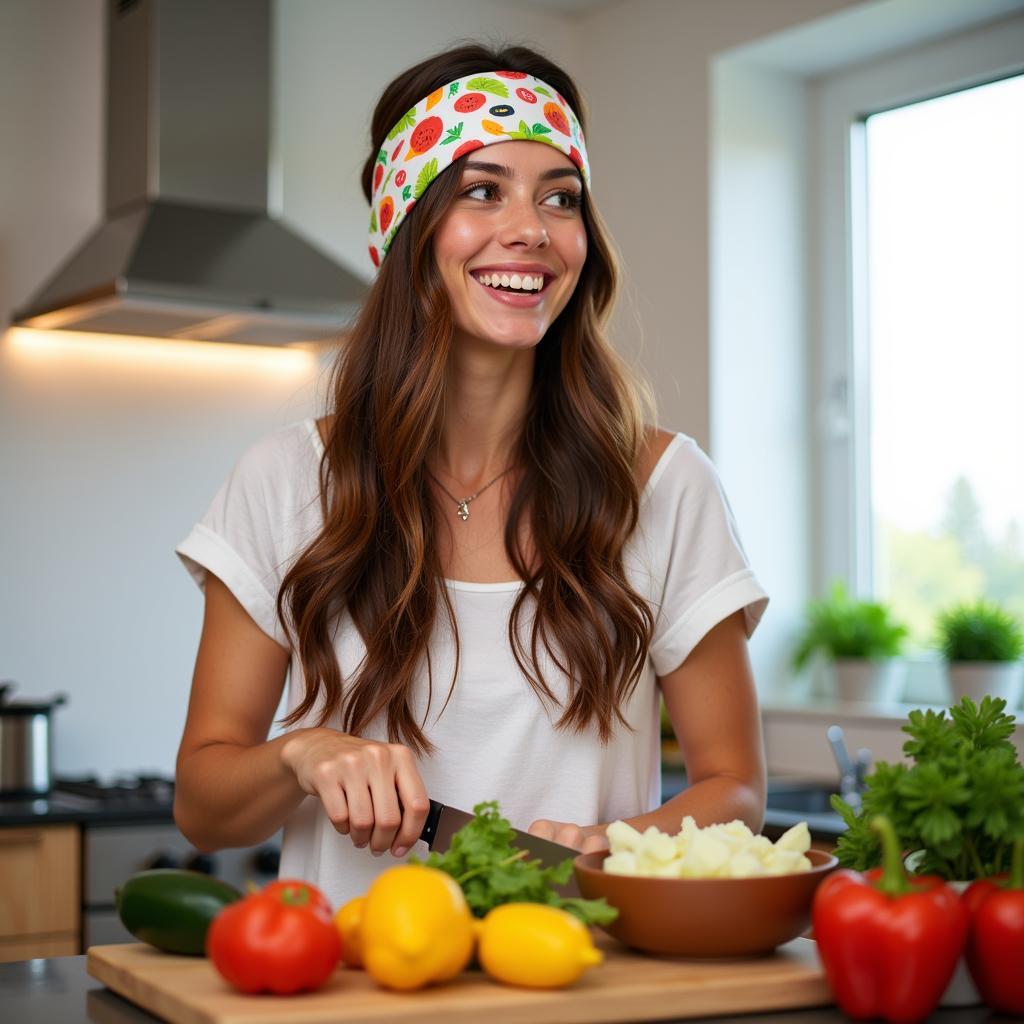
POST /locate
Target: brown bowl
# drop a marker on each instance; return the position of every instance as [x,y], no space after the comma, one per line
[705,917]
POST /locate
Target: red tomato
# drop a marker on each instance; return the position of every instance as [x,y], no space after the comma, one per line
[466,147]
[301,893]
[387,211]
[279,940]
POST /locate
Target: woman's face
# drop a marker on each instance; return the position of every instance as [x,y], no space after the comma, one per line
[517,212]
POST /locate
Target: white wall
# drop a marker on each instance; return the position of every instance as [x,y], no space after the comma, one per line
[107,459]
[760,351]
[331,62]
[736,383]
[106,454]
[646,74]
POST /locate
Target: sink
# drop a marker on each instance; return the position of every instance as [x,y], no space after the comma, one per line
[809,798]
[790,802]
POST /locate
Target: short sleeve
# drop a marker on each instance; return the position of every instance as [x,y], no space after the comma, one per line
[705,575]
[253,529]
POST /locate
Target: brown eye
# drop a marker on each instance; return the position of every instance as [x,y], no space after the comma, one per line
[568,199]
[482,187]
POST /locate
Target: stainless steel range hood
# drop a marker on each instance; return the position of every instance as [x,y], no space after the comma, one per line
[187,248]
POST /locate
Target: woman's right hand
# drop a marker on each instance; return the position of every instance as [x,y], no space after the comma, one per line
[371,791]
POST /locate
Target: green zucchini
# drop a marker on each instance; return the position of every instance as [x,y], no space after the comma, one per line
[172,909]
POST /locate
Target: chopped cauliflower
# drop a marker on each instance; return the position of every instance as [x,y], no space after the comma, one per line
[727,850]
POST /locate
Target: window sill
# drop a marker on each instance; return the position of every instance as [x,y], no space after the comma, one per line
[796,745]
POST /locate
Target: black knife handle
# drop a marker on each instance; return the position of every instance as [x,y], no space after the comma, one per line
[429,832]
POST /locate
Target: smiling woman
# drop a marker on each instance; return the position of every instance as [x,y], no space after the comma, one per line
[533,209]
[481,507]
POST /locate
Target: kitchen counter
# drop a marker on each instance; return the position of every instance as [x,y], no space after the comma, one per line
[59,989]
[65,808]
[68,808]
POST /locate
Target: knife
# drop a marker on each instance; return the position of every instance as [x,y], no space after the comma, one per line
[444,821]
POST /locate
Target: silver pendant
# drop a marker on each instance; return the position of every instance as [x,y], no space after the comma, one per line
[463,512]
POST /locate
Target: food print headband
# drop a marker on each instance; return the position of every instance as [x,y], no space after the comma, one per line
[475,111]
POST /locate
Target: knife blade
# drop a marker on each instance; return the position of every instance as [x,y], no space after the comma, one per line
[443,822]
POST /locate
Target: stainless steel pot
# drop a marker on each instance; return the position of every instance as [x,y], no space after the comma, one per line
[26,747]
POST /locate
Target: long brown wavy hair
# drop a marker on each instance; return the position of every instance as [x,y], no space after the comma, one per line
[577,492]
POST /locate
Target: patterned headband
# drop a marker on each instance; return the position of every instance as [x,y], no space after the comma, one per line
[478,110]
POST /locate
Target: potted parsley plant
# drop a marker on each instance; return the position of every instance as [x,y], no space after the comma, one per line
[860,642]
[982,645]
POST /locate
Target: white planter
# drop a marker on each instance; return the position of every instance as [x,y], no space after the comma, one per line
[961,990]
[859,680]
[978,679]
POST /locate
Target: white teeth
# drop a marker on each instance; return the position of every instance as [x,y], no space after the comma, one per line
[521,282]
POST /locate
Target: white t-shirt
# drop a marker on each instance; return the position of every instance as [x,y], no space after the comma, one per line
[495,740]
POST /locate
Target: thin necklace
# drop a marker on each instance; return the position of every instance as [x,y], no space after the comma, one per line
[463,505]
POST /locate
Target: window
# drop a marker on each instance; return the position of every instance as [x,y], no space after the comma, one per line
[918,319]
[944,252]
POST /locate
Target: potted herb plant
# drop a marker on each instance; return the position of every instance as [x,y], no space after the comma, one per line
[957,804]
[861,643]
[982,645]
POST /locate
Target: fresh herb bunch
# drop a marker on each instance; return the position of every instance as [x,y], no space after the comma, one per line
[491,871]
[981,631]
[961,802]
[843,627]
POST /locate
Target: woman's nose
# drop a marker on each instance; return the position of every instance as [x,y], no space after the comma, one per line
[523,225]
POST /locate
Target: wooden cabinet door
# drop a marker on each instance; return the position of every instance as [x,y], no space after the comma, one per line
[41,945]
[40,881]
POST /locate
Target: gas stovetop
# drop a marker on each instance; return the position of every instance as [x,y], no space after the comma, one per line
[123,791]
[86,799]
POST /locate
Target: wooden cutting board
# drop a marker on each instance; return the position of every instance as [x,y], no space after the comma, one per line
[626,987]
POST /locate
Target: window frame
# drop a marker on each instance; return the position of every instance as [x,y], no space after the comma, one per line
[839,106]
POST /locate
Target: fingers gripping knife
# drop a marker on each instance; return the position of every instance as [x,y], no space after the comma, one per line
[443,822]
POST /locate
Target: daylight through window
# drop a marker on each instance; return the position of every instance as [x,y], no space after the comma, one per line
[945,191]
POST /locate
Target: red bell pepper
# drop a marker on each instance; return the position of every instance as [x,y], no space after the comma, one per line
[995,941]
[889,943]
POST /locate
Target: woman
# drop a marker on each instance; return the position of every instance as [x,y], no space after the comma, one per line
[480,569]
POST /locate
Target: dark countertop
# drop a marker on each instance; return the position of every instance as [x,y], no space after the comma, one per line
[67,808]
[63,809]
[59,989]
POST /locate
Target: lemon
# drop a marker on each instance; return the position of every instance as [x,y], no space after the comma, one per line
[535,946]
[349,922]
[416,928]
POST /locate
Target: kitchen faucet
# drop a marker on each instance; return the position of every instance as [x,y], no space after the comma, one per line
[851,772]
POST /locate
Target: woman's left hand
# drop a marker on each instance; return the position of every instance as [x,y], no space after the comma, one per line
[585,838]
